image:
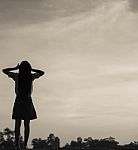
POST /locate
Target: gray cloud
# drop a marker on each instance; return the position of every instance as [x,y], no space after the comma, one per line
[20,12]
[133,5]
[23,12]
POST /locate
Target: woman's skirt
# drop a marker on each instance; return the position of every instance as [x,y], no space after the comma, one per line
[23,108]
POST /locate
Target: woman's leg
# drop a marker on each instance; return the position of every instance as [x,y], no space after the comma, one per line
[26,131]
[17,131]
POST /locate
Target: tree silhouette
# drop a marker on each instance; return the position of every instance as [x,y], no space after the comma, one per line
[52,142]
[7,139]
[9,134]
[1,140]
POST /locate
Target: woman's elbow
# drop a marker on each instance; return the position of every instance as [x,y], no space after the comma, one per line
[42,73]
[4,71]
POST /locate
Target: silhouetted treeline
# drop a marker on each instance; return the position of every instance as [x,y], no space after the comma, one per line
[99,144]
[7,139]
[52,142]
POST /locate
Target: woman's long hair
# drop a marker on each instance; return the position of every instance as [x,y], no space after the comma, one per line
[24,79]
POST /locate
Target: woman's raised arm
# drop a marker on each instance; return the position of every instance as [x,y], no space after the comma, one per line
[40,72]
[7,70]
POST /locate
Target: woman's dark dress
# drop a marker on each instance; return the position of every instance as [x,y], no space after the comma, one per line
[23,109]
[23,106]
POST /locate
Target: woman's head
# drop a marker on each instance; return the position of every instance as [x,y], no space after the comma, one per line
[25,67]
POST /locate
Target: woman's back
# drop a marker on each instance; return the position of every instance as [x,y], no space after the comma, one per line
[24,79]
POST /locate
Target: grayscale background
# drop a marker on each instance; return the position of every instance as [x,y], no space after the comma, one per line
[89,52]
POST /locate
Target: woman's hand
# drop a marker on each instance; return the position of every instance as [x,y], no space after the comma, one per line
[17,67]
[40,72]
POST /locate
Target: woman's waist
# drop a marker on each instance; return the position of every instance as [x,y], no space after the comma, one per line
[23,97]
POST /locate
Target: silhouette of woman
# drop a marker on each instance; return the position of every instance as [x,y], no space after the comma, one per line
[23,107]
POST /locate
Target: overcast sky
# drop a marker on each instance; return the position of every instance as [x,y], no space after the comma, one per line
[89,52]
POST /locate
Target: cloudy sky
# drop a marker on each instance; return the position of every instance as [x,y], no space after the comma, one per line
[88,50]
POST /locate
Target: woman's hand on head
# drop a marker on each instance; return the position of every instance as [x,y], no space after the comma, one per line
[17,67]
